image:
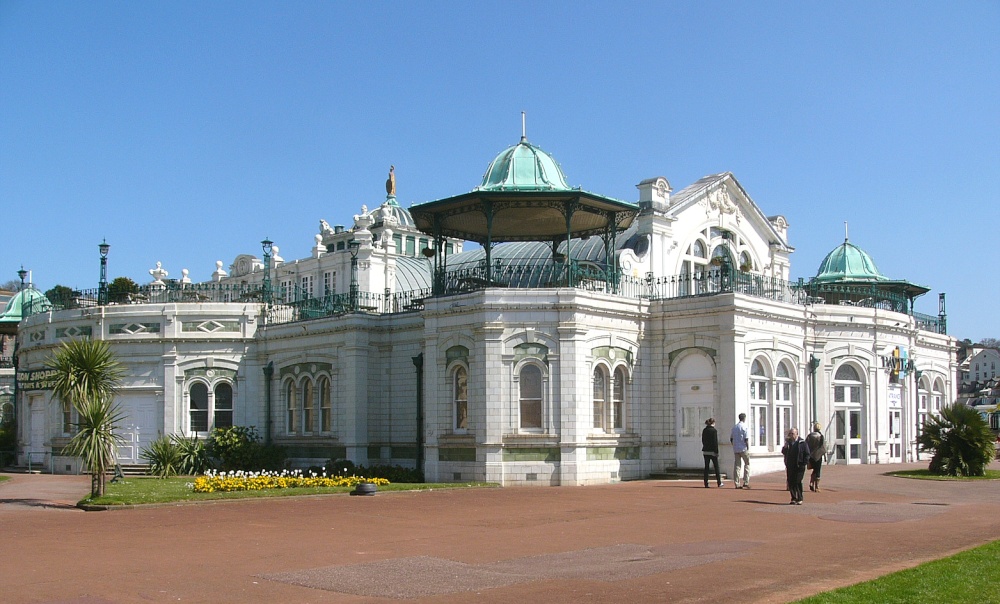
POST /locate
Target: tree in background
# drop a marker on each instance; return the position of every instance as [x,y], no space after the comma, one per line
[122,289]
[87,375]
[11,286]
[62,297]
[990,342]
[961,442]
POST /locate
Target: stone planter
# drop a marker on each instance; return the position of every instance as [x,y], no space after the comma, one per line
[365,489]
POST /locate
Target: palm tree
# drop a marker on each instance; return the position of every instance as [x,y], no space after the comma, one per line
[961,440]
[87,375]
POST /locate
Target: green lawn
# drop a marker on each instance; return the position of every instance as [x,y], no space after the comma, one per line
[926,475]
[145,489]
[3,478]
[971,576]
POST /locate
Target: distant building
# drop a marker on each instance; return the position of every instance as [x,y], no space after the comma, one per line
[586,341]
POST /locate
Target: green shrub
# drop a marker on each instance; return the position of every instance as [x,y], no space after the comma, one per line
[961,442]
[239,448]
[394,474]
[192,455]
[163,457]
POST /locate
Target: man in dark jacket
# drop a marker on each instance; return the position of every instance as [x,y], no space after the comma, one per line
[796,453]
[710,449]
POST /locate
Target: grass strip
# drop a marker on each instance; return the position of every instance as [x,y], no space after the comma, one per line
[969,576]
[926,474]
[140,490]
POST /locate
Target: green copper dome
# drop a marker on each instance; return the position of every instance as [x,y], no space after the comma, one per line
[524,167]
[848,262]
[26,302]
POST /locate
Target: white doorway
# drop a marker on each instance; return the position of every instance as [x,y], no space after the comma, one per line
[695,403]
[139,428]
[847,447]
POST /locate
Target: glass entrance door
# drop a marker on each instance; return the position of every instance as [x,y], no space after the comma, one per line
[847,435]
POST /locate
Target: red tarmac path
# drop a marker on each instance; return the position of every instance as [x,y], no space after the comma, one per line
[646,541]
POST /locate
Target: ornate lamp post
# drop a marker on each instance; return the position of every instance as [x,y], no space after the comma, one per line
[22,274]
[102,291]
[267,244]
[352,247]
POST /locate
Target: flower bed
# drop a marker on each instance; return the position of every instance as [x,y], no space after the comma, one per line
[213,481]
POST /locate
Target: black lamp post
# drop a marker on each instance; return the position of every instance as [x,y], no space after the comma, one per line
[352,247]
[267,244]
[102,291]
[22,274]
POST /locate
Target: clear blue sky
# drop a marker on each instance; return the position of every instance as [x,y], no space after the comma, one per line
[186,132]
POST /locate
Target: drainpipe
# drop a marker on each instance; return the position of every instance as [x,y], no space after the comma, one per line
[268,374]
[813,366]
[418,362]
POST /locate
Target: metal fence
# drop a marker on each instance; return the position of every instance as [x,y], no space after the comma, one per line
[284,305]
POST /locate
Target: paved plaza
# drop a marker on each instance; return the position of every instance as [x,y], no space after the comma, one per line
[646,541]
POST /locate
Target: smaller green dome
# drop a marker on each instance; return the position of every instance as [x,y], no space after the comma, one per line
[524,167]
[848,262]
[28,300]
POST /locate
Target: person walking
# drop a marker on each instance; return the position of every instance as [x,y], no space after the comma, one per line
[817,449]
[710,449]
[740,439]
[796,453]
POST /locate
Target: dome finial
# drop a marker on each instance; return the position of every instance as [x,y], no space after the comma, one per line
[846,238]
[390,184]
[524,131]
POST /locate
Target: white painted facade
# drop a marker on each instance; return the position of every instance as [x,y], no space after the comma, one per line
[547,386]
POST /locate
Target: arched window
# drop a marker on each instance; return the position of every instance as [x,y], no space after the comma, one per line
[460,396]
[698,250]
[530,397]
[759,405]
[223,405]
[937,397]
[325,405]
[198,395]
[308,407]
[784,388]
[293,407]
[618,400]
[746,264]
[847,392]
[67,418]
[600,396]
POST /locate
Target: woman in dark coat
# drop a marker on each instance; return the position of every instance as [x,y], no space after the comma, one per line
[796,453]
[817,449]
[710,449]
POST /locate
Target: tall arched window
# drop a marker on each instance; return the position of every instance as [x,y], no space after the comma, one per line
[600,397]
[292,405]
[531,397]
[308,407]
[67,418]
[784,388]
[223,405]
[618,399]
[758,405]
[937,397]
[198,395]
[325,405]
[460,392]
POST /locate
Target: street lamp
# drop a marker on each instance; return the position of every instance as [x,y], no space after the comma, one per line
[22,274]
[352,247]
[267,244]
[102,292]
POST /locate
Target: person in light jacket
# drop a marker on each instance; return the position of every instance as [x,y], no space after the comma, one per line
[710,449]
[796,453]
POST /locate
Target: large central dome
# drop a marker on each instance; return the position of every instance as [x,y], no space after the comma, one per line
[524,167]
[848,262]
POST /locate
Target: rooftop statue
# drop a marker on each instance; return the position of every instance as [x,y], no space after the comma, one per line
[390,183]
